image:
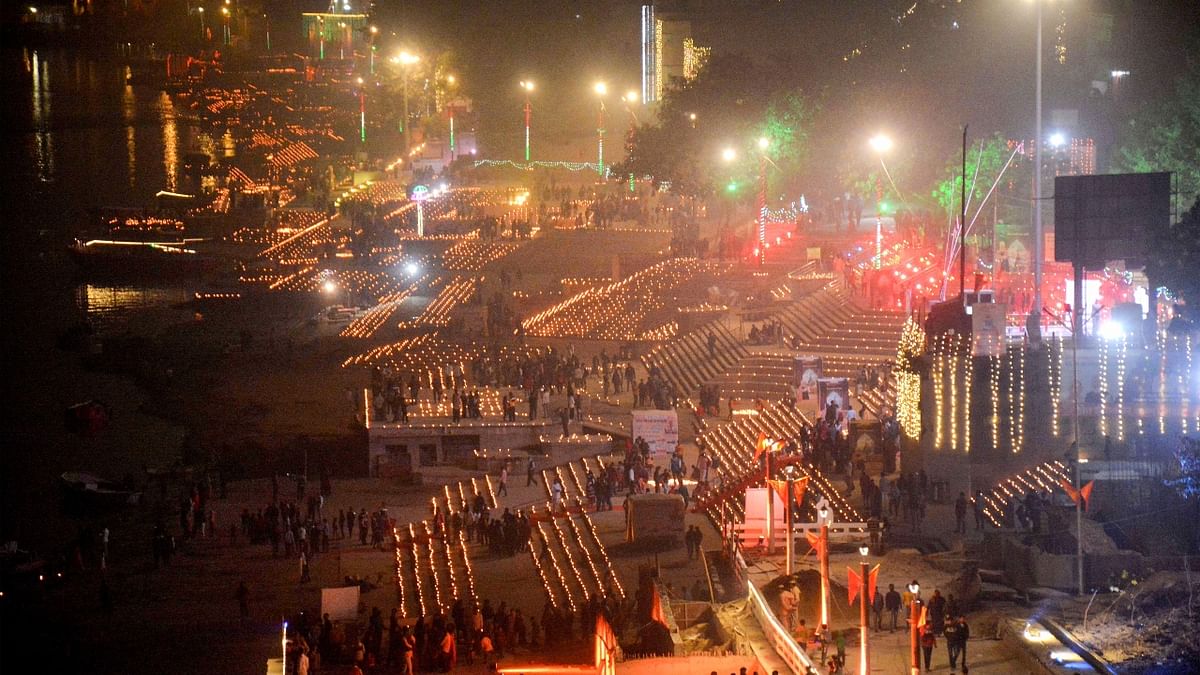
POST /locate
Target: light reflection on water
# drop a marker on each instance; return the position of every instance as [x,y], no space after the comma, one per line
[115,307]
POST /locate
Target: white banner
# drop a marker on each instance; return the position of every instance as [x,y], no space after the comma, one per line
[987,324]
[659,428]
[341,604]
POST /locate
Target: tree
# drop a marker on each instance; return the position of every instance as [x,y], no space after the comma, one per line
[1173,257]
[984,168]
[1165,136]
[732,103]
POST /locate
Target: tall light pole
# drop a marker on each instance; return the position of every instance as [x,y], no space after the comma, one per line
[450,82]
[763,145]
[362,111]
[527,86]
[405,59]
[225,25]
[914,632]
[203,28]
[881,144]
[374,30]
[1039,237]
[823,518]
[601,90]
[864,615]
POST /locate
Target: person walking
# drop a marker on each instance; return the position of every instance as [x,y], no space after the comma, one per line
[952,646]
[503,491]
[979,509]
[891,603]
[877,605]
[928,642]
[963,634]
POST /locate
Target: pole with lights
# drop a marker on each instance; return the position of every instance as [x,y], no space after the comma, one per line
[450,82]
[914,631]
[225,26]
[203,28]
[601,90]
[362,110]
[1038,236]
[405,59]
[823,517]
[881,144]
[763,145]
[374,30]
[527,86]
[864,614]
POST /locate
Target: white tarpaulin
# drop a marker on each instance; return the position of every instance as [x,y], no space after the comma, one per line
[341,604]
[659,428]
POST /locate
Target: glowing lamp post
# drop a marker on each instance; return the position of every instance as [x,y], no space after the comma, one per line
[405,59]
[914,617]
[418,194]
[203,28]
[881,144]
[362,111]
[763,145]
[864,616]
[823,518]
[450,82]
[527,86]
[225,25]
[601,90]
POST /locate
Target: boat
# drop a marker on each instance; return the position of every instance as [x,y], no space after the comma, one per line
[98,491]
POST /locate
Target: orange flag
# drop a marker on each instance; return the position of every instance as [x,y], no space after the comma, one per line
[814,540]
[780,488]
[871,583]
[799,488]
[1086,493]
[921,621]
[760,446]
[855,584]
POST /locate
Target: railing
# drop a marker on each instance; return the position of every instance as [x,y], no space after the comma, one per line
[783,643]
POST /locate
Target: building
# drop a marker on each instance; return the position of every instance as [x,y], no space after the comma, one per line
[669,53]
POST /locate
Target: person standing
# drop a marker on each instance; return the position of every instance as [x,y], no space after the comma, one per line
[530,466]
[787,606]
[979,509]
[877,608]
[304,578]
[963,634]
[960,514]
[891,603]
[503,480]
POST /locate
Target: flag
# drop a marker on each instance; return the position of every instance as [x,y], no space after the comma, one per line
[874,577]
[780,488]
[799,488]
[924,615]
[814,540]
[854,585]
[1084,493]
[760,446]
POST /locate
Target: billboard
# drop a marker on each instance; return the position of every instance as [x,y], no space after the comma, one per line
[805,372]
[659,428]
[1102,218]
[987,328]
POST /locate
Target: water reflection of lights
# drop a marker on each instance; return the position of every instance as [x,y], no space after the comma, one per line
[43,138]
[129,116]
[170,138]
[108,304]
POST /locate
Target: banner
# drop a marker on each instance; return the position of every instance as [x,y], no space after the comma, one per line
[659,428]
[987,327]
[833,390]
[341,604]
[806,371]
[756,509]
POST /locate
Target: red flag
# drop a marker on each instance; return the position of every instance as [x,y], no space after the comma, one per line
[874,577]
[921,622]
[855,584]
[1086,493]
[814,540]
[1071,491]
[799,488]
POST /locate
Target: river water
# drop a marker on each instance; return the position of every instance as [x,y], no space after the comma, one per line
[78,138]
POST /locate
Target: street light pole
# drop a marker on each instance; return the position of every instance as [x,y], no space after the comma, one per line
[362,111]
[914,616]
[823,515]
[1039,237]
[763,144]
[601,90]
[527,85]
[864,616]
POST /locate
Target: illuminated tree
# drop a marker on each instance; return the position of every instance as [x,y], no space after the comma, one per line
[1174,256]
[908,378]
[990,163]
